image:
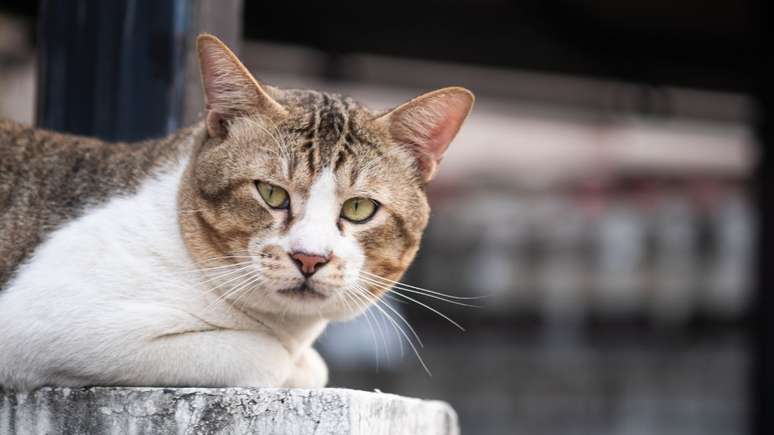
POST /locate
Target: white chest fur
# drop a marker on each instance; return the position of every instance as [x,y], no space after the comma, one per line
[109,298]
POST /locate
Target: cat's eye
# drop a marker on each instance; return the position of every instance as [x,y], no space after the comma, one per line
[274,196]
[359,209]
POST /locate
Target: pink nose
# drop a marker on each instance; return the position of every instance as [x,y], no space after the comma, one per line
[308,264]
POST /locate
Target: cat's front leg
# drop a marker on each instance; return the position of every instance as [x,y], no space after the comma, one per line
[219,358]
[309,371]
[214,358]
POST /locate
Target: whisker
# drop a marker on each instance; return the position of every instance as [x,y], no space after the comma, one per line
[400,342]
[397,334]
[247,286]
[239,276]
[400,287]
[422,289]
[378,325]
[224,274]
[208,269]
[410,342]
[220,274]
[441,298]
[394,299]
[430,308]
[348,293]
[250,279]
[369,295]
[227,257]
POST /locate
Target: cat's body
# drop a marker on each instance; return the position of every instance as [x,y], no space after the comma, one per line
[182,261]
[47,179]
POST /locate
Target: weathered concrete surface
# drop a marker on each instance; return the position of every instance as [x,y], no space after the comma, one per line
[104,410]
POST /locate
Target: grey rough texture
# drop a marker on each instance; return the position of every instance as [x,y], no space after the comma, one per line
[108,410]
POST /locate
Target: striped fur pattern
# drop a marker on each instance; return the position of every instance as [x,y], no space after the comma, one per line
[160,263]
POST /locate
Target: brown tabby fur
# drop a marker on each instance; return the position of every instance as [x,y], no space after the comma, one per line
[286,137]
[48,179]
[321,130]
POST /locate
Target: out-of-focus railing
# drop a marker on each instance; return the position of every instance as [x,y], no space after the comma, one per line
[668,252]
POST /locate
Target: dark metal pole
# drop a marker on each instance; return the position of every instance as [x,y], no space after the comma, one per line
[113,69]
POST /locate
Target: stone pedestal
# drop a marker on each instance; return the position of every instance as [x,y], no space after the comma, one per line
[103,410]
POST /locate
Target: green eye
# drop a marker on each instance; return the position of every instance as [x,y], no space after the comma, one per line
[359,210]
[275,196]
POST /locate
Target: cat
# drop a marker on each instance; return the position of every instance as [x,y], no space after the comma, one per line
[216,256]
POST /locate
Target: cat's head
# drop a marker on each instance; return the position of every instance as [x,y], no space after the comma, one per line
[299,201]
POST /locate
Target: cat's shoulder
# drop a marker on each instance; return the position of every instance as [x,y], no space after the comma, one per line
[48,179]
[23,145]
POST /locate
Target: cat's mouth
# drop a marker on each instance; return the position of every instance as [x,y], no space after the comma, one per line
[302,291]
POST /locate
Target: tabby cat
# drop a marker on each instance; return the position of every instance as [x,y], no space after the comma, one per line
[215,256]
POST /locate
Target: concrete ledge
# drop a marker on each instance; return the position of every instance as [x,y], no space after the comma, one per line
[104,410]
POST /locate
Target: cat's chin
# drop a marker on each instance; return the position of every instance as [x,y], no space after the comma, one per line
[307,301]
[302,291]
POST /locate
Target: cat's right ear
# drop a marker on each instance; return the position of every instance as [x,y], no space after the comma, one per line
[427,124]
[229,89]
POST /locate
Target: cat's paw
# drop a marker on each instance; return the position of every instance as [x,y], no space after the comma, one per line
[309,371]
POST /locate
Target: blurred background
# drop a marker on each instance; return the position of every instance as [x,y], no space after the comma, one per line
[599,205]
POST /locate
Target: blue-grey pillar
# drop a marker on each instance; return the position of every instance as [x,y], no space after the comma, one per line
[113,69]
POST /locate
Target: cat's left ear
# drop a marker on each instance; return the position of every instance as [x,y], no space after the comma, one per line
[229,89]
[427,124]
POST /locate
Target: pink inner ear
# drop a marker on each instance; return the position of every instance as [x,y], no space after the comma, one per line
[443,131]
[429,124]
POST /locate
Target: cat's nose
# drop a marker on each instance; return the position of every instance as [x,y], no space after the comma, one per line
[308,264]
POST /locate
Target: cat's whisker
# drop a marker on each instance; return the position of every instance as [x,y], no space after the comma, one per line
[420,303]
[394,299]
[248,288]
[380,322]
[241,253]
[406,322]
[449,319]
[209,269]
[228,257]
[409,290]
[405,335]
[251,292]
[348,294]
[222,273]
[249,271]
[397,334]
[197,270]
[219,274]
[249,280]
[381,278]
[384,315]
[212,278]
[243,278]
[378,325]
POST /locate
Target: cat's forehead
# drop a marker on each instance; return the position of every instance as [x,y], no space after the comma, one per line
[324,117]
[325,131]
[332,131]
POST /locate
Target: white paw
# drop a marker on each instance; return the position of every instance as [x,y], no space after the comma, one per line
[309,371]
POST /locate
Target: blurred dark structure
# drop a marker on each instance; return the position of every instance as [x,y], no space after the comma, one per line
[694,43]
[113,70]
[761,381]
